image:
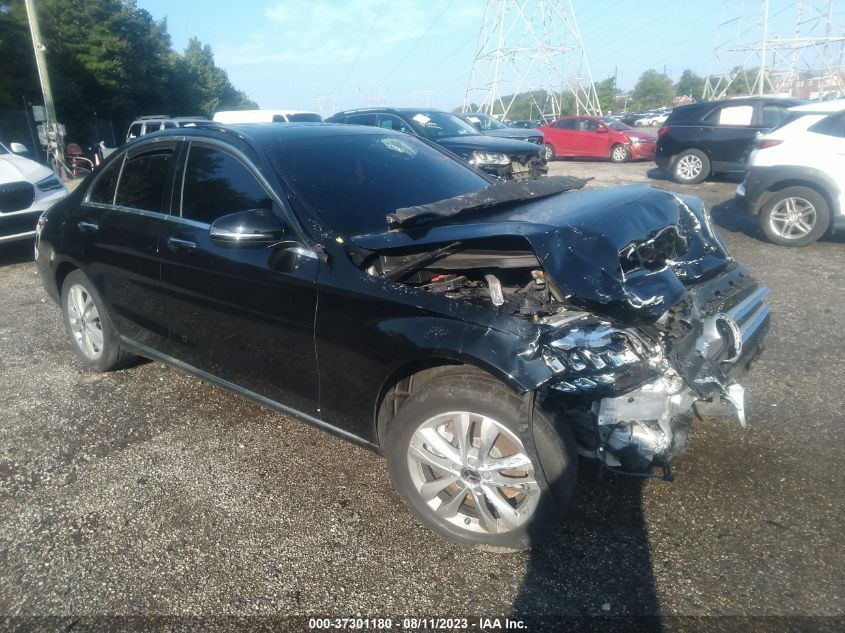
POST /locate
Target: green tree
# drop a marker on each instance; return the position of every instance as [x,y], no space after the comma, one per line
[108,59]
[690,85]
[606,91]
[653,90]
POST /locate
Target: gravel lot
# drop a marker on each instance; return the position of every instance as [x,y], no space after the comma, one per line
[147,491]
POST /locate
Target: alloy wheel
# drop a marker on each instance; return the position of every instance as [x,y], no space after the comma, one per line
[85,323]
[689,167]
[792,218]
[619,153]
[473,472]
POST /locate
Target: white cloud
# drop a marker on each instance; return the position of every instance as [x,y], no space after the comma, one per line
[331,32]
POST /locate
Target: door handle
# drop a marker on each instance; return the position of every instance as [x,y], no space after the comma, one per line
[180,244]
[88,227]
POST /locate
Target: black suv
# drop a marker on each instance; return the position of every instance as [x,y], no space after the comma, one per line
[491,126]
[480,334]
[503,158]
[711,137]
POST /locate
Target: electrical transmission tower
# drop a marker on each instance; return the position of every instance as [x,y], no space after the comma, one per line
[778,47]
[530,46]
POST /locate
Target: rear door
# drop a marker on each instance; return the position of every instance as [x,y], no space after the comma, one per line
[727,135]
[244,314]
[119,225]
[561,136]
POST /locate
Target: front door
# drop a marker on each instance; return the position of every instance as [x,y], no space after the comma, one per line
[244,314]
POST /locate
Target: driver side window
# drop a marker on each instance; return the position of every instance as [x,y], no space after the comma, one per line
[217,184]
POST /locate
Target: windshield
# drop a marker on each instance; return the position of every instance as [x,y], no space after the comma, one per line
[616,125]
[435,125]
[305,117]
[351,182]
[484,122]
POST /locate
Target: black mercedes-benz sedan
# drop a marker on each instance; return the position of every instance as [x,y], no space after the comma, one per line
[480,334]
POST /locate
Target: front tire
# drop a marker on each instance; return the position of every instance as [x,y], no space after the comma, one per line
[459,456]
[691,167]
[795,216]
[619,154]
[88,326]
[549,152]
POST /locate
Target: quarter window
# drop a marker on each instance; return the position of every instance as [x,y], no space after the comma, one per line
[217,184]
[142,182]
[832,125]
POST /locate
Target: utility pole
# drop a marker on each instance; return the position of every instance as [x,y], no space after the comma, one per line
[55,143]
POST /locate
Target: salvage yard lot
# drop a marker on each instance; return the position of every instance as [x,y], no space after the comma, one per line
[148,491]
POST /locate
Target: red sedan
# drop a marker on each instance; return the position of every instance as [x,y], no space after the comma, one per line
[588,136]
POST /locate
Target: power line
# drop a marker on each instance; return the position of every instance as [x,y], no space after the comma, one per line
[364,42]
[420,39]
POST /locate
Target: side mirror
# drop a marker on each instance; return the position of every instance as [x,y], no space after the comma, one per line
[18,148]
[256,227]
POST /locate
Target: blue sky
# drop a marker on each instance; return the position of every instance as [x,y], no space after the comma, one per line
[286,53]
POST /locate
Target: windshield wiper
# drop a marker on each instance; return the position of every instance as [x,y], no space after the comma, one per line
[495,195]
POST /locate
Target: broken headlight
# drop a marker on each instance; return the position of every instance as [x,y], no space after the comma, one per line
[489,158]
[597,356]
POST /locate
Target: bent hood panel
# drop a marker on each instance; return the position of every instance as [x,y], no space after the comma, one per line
[578,237]
[484,143]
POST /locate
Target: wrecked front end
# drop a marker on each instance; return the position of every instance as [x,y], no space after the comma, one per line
[629,302]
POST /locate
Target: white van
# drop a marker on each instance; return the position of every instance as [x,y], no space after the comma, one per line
[267,116]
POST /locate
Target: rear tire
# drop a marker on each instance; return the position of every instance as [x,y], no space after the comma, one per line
[691,167]
[795,216]
[460,489]
[88,326]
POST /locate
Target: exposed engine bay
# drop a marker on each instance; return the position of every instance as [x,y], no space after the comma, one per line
[641,317]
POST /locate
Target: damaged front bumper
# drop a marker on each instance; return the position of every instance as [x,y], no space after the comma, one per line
[701,351]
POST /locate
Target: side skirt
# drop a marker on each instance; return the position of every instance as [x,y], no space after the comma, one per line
[152,354]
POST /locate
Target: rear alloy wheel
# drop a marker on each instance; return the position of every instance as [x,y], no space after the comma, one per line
[88,326]
[795,216]
[549,152]
[691,167]
[464,468]
[619,153]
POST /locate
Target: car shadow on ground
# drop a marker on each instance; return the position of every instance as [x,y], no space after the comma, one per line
[18,252]
[657,173]
[597,569]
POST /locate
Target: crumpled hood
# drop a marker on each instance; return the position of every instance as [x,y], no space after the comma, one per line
[16,168]
[624,252]
[465,145]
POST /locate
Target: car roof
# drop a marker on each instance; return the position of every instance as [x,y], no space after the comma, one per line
[820,107]
[262,132]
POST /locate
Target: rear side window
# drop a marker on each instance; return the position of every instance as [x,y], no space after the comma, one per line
[134,131]
[731,116]
[565,124]
[216,184]
[106,183]
[833,125]
[362,119]
[142,182]
[278,118]
[774,115]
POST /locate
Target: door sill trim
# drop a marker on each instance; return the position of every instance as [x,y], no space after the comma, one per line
[153,354]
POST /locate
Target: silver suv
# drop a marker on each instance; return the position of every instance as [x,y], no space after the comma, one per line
[155,122]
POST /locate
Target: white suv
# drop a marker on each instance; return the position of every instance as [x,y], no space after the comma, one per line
[795,179]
